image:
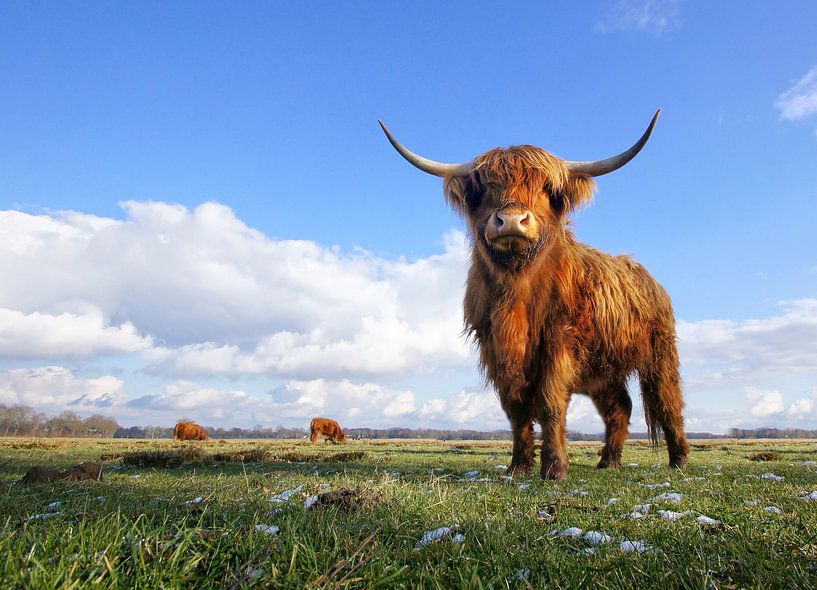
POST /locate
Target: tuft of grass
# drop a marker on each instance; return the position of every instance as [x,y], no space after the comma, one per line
[763,456]
[167,459]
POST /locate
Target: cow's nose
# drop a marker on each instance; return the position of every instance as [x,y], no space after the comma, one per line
[512,223]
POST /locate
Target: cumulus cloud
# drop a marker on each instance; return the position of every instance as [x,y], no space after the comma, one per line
[201,293]
[799,101]
[53,389]
[645,16]
[66,335]
[717,352]
[766,403]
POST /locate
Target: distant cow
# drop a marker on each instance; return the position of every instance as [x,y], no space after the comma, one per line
[189,431]
[553,317]
[326,427]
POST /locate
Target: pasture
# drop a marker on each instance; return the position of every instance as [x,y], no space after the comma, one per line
[233,514]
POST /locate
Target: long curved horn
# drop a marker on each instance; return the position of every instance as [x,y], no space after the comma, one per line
[600,167]
[426,165]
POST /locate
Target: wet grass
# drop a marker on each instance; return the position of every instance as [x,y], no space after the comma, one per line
[205,518]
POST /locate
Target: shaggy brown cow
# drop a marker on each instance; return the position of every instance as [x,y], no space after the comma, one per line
[189,431]
[552,316]
[328,428]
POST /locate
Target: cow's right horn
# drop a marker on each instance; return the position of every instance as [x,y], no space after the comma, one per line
[436,168]
[599,167]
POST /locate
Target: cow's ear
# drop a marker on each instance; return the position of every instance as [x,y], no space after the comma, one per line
[458,191]
[576,192]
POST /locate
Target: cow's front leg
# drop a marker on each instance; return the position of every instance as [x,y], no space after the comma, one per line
[524,454]
[554,442]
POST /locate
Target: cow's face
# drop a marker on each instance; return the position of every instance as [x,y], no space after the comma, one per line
[516,202]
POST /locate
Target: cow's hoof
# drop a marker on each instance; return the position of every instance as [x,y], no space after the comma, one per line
[609,464]
[519,469]
[556,471]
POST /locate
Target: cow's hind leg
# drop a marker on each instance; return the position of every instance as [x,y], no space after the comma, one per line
[663,402]
[615,406]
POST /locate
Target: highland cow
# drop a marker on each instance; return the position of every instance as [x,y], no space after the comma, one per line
[327,427]
[189,431]
[552,316]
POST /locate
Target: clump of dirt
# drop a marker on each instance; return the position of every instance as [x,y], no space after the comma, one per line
[349,499]
[82,471]
[168,459]
[763,456]
[247,456]
[347,456]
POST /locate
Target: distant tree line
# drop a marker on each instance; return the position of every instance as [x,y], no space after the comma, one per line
[22,420]
[772,433]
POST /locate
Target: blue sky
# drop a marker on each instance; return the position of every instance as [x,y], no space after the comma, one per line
[201,217]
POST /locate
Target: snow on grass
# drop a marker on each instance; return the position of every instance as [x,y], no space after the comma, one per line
[267,529]
[54,505]
[597,538]
[444,532]
[44,516]
[310,501]
[568,532]
[653,486]
[286,494]
[671,515]
[198,500]
[772,509]
[809,495]
[673,497]
[628,546]
[707,521]
[772,477]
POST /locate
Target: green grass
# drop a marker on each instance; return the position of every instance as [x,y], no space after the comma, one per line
[136,529]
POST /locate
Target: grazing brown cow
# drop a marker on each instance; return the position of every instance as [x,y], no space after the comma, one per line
[327,427]
[189,431]
[552,316]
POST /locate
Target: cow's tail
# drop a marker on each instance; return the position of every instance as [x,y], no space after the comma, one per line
[176,431]
[312,424]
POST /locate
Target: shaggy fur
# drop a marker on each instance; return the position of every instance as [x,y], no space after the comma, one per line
[553,317]
[326,427]
[189,431]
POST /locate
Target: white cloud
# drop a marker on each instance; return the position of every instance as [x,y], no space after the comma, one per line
[646,16]
[53,389]
[218,297]
[767,403]
[717,352]
[799,101]
[65,335]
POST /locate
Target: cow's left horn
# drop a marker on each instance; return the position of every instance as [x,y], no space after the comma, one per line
[426,165]
[600,167]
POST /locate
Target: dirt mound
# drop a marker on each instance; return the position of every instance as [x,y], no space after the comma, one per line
[247,456]
[764,456]
[169,459]
[349,499]
[82,471]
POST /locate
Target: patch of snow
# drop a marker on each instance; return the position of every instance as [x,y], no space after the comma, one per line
[636,515]
[773,510]
[634,546]
[198,500]
[644,508]
[44,516]
[568,532]
[287,494]
[652,486]
[54,505]
[809,495]
[688,479]
[267,529]
[772,477]
[503,467]
[708,521]
[673,497]
[670,515]
[580,493]
[444,532]
[470,475]
[310,501]
[612,501]
[596,538]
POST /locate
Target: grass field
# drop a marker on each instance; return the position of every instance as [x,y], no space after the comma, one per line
[206,519]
